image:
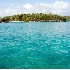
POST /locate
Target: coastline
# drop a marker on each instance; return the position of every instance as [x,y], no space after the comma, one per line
[16,21]
[37,21]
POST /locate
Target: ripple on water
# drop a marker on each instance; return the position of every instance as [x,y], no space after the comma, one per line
[35,45]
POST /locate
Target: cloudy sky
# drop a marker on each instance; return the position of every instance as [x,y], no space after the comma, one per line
[11,7]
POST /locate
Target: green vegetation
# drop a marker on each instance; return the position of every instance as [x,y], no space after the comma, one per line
[67,18]
[38,17]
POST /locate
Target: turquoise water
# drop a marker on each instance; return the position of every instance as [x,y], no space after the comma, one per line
[35,45]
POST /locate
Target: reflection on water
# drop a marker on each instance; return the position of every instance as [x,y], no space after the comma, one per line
[35,45]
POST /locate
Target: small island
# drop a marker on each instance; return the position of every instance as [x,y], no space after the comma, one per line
[34,17]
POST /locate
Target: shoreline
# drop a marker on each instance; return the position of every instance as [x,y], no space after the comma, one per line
[39,21]
[16,21]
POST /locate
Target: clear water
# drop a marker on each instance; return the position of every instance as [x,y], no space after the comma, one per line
[35,45]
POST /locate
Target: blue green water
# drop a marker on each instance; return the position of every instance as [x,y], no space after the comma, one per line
[35,45]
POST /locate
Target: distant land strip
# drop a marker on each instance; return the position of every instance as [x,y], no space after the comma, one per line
[35,17]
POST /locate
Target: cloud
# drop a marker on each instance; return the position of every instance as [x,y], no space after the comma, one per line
[27,6]
[58,7]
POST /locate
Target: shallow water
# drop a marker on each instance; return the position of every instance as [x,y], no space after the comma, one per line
[35,45]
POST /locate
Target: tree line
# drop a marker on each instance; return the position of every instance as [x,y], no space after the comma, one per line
[34,17]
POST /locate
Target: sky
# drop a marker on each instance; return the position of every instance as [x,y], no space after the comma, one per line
[12,7]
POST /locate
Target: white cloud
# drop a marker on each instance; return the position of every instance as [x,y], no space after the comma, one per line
[59,7]
[27,6]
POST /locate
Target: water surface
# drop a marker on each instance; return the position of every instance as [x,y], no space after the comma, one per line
[43,45]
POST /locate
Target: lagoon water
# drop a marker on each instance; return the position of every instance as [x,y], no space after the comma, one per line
[42,45]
